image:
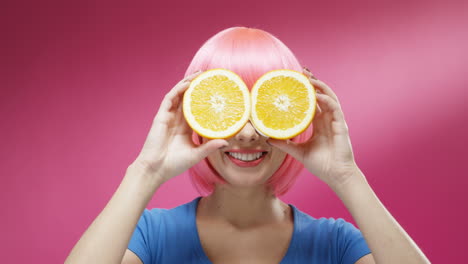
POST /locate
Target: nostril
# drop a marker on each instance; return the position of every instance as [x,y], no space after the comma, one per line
[247,134]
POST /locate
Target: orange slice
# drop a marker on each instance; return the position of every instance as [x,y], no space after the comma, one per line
[283,104]
[217,104]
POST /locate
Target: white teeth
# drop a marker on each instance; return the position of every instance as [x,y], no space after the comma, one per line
[245,157]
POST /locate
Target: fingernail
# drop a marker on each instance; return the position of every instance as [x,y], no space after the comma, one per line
[312,75]
[269,143]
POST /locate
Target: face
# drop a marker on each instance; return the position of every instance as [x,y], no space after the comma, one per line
[239,163]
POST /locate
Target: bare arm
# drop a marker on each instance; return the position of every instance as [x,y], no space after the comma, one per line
[107,238]
[387,240]
[328,155]
[168,151]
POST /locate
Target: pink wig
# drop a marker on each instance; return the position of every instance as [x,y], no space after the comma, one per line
[250,53]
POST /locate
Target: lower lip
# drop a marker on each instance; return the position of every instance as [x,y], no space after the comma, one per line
[241,163]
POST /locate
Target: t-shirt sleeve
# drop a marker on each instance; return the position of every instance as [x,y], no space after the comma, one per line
[351,242]
[140,240]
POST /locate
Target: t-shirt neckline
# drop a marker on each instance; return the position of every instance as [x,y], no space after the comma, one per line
[201,252]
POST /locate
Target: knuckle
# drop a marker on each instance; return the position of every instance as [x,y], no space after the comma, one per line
[157,118]
[166,98]
[166,103]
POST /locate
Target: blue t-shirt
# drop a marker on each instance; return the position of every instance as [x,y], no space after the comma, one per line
[171,236]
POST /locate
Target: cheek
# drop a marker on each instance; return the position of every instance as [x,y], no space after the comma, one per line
[214,157]
[279,157]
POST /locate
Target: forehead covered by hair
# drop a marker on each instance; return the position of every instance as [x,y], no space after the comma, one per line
[248,52]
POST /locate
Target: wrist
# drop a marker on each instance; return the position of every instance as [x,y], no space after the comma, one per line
[146,179]
[348,179]
[152,171]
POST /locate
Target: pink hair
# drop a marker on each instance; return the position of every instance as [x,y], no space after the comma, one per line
[250,53]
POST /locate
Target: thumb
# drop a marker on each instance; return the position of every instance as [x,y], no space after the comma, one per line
[292,148]
[211,146]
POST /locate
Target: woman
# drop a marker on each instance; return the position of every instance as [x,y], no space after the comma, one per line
[239,219]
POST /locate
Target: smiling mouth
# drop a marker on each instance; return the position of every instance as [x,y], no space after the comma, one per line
[246,157]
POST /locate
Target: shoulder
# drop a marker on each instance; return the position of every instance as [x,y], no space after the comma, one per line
[336,238]
[159,232]
[173,217]
[325,224]
[338,232]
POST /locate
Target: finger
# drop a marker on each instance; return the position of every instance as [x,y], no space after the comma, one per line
[308,73]
[182,86]
[190,77]
[322,87]
[318,109]
[330,105]
[292,148]
[173,97]
[183,125]
[171,101]
[207,148]
[316,87]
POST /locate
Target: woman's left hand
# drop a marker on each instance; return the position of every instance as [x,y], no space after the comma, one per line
[328,153]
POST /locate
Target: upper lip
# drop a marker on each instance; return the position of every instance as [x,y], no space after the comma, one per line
[246,150]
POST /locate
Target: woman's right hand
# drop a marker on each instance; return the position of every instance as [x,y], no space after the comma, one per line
[169,150]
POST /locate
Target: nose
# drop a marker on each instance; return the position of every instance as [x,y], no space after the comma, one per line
[247,134]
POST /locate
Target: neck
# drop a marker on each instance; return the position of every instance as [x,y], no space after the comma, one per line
[244,207]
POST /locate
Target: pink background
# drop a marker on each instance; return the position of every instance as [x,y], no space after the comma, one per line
[81,82]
